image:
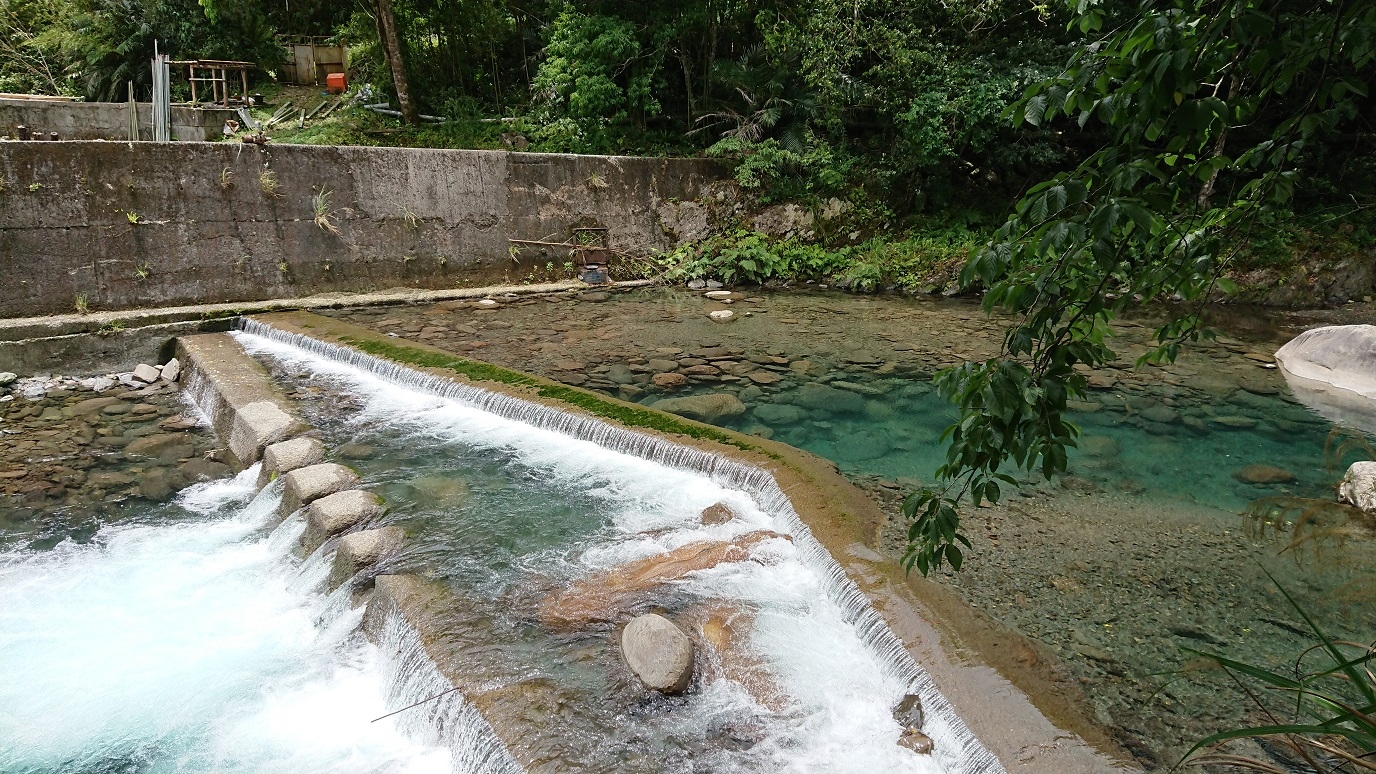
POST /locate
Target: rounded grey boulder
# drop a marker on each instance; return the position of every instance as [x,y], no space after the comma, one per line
[658,652]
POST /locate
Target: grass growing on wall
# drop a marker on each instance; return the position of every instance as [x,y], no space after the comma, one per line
[624,414]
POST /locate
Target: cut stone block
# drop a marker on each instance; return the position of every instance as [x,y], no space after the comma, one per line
[258,425]
[147,373]
[286,456]
[306,485]
[336,514]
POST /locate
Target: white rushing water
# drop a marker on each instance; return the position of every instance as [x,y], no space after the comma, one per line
[839,664]
[190,645]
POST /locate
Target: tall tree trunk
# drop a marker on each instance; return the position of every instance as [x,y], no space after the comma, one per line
[391,43]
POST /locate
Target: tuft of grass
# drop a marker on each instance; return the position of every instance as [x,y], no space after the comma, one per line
[133,217]
[283,267]
[320,205]
[82,304]
[226,179]
[267,180]
[142,271]
[596,182]
[593,404]
[35,187]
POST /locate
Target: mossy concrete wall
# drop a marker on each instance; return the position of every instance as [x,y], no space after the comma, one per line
[125,225]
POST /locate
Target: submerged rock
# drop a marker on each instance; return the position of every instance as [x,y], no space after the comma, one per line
[1263,474]
[824,398]
[604,597]
[709,407]
[659,653]
[779,414]
[669,381]
[1359,486]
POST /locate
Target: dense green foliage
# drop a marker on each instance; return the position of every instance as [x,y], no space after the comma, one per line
[1216,112]
[92,48]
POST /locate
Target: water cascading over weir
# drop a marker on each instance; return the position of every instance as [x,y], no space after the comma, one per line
[815,631]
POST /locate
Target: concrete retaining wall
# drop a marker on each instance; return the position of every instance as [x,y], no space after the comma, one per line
[149,224]
[108,120]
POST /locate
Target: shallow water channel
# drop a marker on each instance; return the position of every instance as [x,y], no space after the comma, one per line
[1111,572]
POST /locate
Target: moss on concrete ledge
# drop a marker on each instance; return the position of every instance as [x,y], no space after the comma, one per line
[625,414]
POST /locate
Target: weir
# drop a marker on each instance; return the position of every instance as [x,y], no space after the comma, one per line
[957,750]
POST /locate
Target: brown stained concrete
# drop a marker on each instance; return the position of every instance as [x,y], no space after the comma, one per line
[248,412]
[1007,692]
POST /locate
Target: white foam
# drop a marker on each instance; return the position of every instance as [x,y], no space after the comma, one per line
[844,690]
[185,647]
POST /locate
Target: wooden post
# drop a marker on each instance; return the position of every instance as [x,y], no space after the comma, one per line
[192,78]
[392,43]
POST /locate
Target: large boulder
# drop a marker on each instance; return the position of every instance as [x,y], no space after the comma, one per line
[605,597]
[709,407]
[779,414]
[286,456]
[1359,486]
[337,513]
[305,485]
[658,652]
[363,549]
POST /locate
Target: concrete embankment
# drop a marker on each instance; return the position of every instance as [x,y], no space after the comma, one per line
[104,226]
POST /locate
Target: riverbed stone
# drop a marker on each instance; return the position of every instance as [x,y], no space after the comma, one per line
[917,741]
[658,652]
[908,711]
[337,513]
[669,381]
[717,513]
[154,445]
[285,456]
[147,373]
[604,596]
[306,485]
[824,398]
[1359,486]
[7,378]
[1263,474]
[171,370]
[363,549]
[779,414]
[708,407]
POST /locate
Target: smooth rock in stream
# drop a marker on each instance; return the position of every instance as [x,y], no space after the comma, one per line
[7,378]
[658,652]
[778,414]
[1263,474]
[917,741]
[147,373]
[708,407]
[366,548]
[824,398]
[908,712]
[715,514]
[305,485]
[337,513]
[604,596]
[722,315]
[1359,486]
[286,456]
